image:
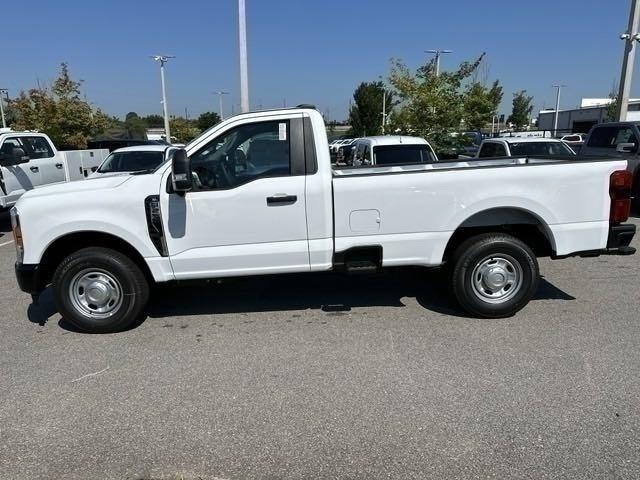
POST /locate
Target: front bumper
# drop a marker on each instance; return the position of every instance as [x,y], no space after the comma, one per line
[28,277]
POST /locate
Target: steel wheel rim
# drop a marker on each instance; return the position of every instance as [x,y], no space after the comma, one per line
[497,278]
[96,293]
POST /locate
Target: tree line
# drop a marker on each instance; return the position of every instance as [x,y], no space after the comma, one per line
[71,121]
[424,103]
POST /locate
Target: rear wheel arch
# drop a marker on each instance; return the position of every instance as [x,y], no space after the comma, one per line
[64,246]
[522,224]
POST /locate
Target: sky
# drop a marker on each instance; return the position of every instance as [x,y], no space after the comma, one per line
[304,51]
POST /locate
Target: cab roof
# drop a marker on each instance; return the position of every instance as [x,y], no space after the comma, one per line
[393,140]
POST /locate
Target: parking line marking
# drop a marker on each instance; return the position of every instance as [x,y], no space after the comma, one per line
[6,243]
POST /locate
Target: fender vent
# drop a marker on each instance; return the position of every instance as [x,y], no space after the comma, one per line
[154,224]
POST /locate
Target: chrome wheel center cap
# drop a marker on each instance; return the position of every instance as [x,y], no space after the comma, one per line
[495,278]
[98,292]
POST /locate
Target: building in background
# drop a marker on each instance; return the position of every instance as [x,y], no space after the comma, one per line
[580,120]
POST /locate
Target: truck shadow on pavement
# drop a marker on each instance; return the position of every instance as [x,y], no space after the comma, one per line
[327,292]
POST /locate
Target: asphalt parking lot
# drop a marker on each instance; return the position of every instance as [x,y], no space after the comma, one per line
[326,376]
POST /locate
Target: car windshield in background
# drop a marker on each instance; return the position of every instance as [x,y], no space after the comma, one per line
[402,154]
[539,148]
[131,162]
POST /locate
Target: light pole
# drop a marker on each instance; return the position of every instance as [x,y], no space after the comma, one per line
[555,116]
[220,93]
[5,92]
[438,54]
[244,76]
[164,59]
[630,38]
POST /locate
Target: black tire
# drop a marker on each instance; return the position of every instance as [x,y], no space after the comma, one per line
[476,255]
[115,271]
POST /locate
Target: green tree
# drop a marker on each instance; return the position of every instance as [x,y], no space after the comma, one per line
[207,120]
[521,111]
[154,121]
[136,126]
[183,130]
[481,104]
[612,108]
[365,115]
[433,106]
[59,112]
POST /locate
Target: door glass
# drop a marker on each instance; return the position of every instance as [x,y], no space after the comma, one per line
[243,154]
[488,150]
[37,147]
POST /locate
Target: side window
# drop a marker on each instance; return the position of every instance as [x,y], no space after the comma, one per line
[243,154]
[37,147]
[488,150]
[625,135]
[500,150]
[357,155]
[603,137]
[9,144]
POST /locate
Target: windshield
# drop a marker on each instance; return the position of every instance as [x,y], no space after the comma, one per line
[402,155]
[131,161]
[539,148]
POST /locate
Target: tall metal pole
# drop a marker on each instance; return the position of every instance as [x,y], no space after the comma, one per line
[162,59]
[555,116]
[220,93]
[4,123]
[437,54]
[384,109]
[244,78]
[630,37]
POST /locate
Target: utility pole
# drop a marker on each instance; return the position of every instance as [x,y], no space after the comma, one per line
[630,38]
[220,93]
[5,92]
[384,109]
[555,116]
[244,76]
[162,59]
[438,54]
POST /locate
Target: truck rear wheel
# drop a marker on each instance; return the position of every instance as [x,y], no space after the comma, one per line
[100,290]
[494,275]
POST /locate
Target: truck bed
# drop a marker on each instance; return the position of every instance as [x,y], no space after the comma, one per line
[412,211]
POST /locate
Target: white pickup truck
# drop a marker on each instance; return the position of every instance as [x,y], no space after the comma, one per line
[256,195]
[29,160]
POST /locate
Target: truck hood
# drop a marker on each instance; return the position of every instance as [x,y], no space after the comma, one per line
[90,184]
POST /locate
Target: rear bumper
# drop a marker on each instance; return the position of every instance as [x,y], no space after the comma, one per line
[618,241]
[28,277]
[620,236]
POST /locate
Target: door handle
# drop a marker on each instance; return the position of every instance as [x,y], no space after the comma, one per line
[282,199]
[34,169]
[59,165]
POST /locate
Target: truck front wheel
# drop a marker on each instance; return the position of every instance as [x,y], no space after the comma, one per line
[494,275]
[100,290]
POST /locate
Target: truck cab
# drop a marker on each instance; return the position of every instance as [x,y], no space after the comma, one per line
[27,161]
[618,140]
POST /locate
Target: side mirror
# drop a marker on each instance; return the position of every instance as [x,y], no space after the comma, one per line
[181,176]
[626,147]
[16,157]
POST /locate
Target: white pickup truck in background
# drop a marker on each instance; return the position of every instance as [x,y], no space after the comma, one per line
[256,195]
[29,160]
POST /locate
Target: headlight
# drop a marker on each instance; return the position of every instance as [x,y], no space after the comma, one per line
[17,234]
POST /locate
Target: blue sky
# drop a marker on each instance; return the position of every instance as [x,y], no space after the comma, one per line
[303,51]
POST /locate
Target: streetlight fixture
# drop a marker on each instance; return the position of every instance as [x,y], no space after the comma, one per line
[244,76]
[5,92]
[162,59]
[555,116]
[630,37]
[220,93]
[437,54]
